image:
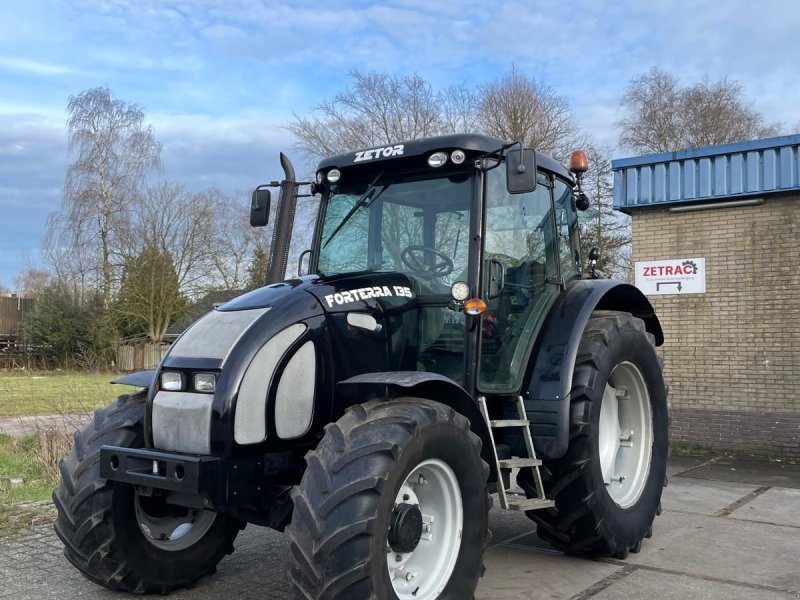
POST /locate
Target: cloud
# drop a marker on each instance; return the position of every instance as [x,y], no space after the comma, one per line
[35,67]
[219,82]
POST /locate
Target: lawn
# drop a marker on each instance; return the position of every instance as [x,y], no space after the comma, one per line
[55,392]
[33,460]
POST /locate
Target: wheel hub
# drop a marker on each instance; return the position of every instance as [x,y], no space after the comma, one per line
[625,437]
[406,528]
[168,527]
[425,530]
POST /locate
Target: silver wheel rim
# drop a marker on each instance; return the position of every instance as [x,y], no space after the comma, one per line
[625,436]
[170,532]
[423,573]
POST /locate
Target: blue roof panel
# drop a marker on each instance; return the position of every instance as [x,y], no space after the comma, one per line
[728,171]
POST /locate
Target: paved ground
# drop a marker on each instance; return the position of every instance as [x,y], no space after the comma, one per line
[20,426]
[729,530]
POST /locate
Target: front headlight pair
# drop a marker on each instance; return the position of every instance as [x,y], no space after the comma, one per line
[173,381]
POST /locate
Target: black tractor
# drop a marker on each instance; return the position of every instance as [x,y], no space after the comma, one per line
[448,346]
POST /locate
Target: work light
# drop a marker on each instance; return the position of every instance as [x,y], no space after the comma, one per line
[437,159]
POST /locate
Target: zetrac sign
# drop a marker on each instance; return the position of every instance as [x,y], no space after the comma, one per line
[675,276]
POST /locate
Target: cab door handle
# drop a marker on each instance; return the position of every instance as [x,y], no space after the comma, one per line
[497,278]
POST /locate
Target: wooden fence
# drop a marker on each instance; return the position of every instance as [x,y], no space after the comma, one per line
[140,357]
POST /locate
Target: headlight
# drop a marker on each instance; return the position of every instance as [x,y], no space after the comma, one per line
[171,381]
[334,175]
[205,382]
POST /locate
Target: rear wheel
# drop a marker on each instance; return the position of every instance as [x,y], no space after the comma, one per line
[393,504]
[607,487]
[119,538]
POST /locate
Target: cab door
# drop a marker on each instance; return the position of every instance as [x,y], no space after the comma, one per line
[521,278]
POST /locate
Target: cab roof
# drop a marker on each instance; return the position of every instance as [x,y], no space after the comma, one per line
[472,144]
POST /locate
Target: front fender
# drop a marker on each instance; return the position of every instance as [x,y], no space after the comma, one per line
[547,399]
[142,379]
[421,384]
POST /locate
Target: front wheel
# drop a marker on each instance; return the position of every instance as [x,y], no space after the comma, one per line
[607,487]
[119,538]
[393,504]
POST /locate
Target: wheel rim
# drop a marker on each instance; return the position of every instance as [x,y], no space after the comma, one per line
[625,434]
[171,527]
[423,573]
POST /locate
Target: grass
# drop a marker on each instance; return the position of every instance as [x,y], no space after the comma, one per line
[34,459]
[55,392]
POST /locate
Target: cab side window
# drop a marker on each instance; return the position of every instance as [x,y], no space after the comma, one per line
[567,228]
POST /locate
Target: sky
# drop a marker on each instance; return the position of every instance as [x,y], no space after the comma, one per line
[219,80]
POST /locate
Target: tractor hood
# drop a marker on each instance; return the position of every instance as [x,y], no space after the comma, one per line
[273,351]
[340,293]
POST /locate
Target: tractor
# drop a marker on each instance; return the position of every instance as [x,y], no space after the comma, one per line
[443,346]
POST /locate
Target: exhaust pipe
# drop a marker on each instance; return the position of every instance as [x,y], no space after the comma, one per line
[284,222]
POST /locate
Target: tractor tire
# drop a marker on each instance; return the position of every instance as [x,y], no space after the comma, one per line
[104,524]
[393,504]
[619,429]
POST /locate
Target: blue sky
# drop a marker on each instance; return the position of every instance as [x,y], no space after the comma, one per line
[219,80]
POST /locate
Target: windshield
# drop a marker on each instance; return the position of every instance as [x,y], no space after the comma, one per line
[409,225]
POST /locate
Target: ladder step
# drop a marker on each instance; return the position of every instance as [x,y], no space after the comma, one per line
[518,463]
[519,502]
[509,423]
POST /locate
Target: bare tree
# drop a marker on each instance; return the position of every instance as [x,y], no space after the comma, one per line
[32,281]
[378,109]
[601,226]
[459,107]
[175,221]
[113,151]
[233,243]
[517,107]
[662,116]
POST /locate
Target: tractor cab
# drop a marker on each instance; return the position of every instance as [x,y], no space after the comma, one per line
[475,224]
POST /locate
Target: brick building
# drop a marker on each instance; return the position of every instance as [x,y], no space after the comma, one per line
[732,354]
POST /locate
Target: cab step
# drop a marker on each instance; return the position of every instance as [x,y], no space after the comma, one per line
[509,423]
[520,502]
[508,499]
[518,463]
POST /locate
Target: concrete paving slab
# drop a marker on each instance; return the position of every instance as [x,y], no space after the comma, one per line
[773,474]
[517,572]
[507,524]
[642,584]
[532,541]
[703,497]
[679,463]
[722,548]
[780,506]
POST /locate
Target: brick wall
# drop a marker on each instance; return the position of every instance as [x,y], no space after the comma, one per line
[732,355]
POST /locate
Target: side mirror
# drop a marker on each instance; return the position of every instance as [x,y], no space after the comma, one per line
[259,207]
[581,201]
[520,171]
[594,254]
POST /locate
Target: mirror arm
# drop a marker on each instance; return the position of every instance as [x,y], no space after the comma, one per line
[521,165]
[300,262]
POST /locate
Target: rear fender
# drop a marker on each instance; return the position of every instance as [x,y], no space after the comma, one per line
[420,384]
[547,399]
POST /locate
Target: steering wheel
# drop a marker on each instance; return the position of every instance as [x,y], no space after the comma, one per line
[413,257]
